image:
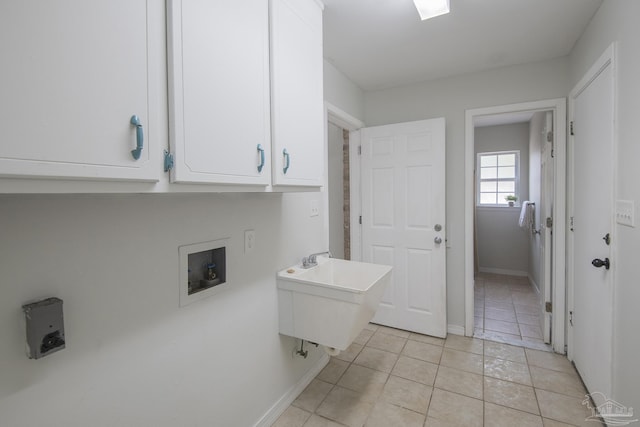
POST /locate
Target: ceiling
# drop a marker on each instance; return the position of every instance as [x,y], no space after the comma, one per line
[383,43]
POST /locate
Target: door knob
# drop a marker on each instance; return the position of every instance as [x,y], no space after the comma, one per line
[438,240]
[600,263]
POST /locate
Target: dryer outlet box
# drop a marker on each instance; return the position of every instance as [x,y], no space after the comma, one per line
[45,327]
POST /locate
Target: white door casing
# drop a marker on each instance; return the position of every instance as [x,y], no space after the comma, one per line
[346,121]
[592,157]
[403,204]
[558,108]
[546,232]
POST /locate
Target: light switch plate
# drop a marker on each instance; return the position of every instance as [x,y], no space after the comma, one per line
[249,241]
[315,211]
[625,212]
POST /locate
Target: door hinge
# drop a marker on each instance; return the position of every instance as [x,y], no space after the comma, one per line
[547,306]
[360,220]
[571,128]
[359,150]
[571,224]
[571,318]
[168,161]
[549,222]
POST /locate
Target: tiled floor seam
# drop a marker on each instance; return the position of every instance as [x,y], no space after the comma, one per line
[526,358]
[433,388]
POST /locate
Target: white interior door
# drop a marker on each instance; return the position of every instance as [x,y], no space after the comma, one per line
[592,151]
[403,221]
[546,211]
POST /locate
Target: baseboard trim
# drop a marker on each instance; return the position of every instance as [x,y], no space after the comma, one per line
[535,285]
[455,329]
[503,271]
[283,403]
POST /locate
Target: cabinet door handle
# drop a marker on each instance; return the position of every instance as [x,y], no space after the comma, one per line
[261,151]
[287,160]
[135,120]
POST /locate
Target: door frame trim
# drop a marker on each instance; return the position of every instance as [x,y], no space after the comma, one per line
[559,108]
[341,118]
[607,58]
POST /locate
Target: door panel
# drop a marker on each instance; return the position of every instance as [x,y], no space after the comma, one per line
[418,267]
[385,255]
[592,325]
[402,199]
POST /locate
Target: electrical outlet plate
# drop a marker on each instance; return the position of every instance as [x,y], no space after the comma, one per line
[625,212]
[249,241]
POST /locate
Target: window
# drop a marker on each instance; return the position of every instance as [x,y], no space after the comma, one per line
[498,177]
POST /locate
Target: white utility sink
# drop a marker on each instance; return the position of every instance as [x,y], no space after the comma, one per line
[330,304]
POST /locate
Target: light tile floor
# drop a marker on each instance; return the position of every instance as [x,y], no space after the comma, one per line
[507,309]
[393,378]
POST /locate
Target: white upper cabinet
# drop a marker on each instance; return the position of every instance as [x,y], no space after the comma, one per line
[74,75]
[297,94]
[93,92]
[219,91]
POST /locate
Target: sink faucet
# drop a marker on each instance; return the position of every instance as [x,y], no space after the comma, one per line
[311,261]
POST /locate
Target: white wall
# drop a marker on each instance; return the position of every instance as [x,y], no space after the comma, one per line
[134,357]
[449,98]
[502,244]
[536,127]
[342,92]
[336,191]
[617,20]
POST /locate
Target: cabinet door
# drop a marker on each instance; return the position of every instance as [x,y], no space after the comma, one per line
[298,107]
[219,91]
[74,73]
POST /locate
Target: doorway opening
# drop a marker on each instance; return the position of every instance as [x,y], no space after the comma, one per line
[338,192]
[514,269]
[509,234]
[340,171]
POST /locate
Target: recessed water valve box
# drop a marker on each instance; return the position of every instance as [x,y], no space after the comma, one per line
[203,270]
[45,327]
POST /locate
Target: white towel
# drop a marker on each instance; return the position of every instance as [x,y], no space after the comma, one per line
[527,215]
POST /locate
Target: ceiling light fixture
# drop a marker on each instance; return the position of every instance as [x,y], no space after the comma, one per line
[431,8]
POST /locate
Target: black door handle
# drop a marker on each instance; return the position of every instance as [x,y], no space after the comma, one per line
[599,263]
